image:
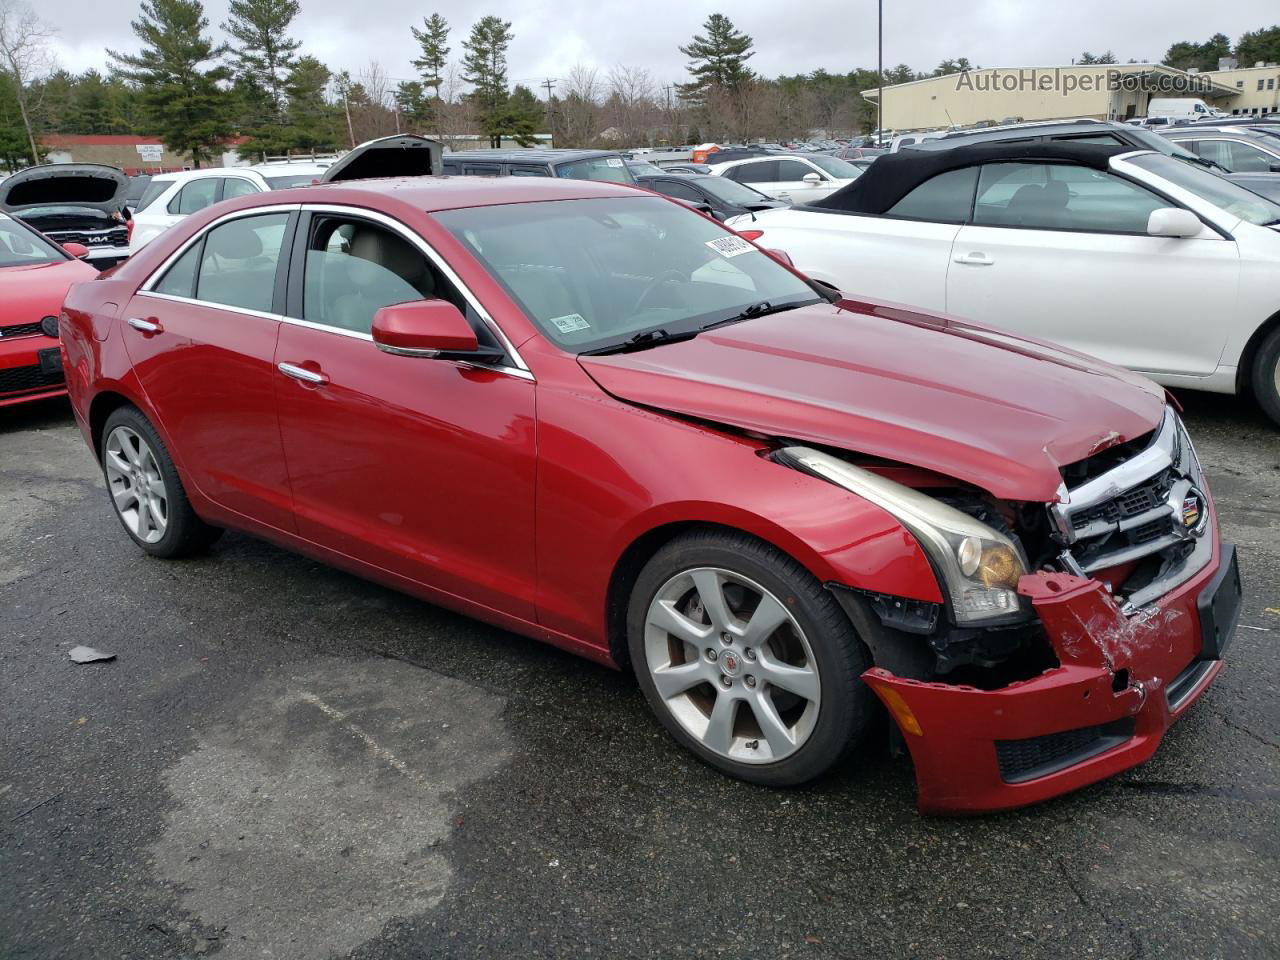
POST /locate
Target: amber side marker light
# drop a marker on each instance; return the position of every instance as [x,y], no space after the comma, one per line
[901,712]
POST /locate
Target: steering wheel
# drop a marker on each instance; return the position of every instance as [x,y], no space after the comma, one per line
[668,276]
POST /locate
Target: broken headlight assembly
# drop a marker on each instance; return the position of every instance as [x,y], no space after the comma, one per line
[979,566]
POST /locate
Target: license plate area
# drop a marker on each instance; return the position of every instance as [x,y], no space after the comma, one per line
[50,360]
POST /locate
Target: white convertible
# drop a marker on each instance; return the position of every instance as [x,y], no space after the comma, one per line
[1142,259]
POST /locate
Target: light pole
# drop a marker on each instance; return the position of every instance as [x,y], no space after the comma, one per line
[880,70]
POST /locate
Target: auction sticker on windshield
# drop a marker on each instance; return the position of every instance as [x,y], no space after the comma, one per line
[730,246]
[571,323]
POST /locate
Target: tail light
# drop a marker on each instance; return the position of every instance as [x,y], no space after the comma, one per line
[128,230]
[752,235]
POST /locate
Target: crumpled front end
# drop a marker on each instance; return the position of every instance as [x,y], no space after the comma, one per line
[1121,681]
[1123,620]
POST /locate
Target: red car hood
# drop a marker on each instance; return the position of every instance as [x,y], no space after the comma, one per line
[982,406]
[29,293]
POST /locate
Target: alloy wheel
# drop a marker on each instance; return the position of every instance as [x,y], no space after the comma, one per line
[136,484]
[732,665]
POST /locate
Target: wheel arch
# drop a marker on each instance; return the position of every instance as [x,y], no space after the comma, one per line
[1244,370]
[100,408]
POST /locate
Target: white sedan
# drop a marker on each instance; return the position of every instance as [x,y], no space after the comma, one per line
[799,179]
[1142,259]
[171,197]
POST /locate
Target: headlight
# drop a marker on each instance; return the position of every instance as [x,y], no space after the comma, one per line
[980,566]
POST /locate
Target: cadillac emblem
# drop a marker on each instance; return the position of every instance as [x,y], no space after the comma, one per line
[1193,514]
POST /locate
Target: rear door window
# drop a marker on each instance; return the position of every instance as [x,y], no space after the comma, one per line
[195,196]
[481,170]
[673,188]
[239,260]
[238,187]
[529,170]
[945,198]
[761,171]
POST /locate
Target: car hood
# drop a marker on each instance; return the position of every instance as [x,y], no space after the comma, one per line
[986,407]
[28,293]
[89,185]
[402,155]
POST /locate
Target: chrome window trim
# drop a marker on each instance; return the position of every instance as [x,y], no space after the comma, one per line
[195,238]
[520,368]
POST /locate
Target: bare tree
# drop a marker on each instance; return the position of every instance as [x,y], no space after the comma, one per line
[454,116]
[24,57]
[580,106]
[631,103]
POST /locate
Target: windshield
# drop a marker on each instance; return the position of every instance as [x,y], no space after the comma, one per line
[153,190]
[730,191]
[21,247]
[595,273]
[608,169]
[293,180]
[1222,193]
[1153,141]
[835,166]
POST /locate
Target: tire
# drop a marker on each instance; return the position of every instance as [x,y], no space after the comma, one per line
[134,460]
[776,698]
[1265,378]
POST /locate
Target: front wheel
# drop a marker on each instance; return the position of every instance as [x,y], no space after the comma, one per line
[146,491]
[1266,375]
[746,660]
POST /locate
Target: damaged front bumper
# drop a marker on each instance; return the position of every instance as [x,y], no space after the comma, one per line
[1120,683]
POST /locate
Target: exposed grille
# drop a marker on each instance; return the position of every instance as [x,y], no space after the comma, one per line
[1140,499]
[27,378]
[117,237]
[20,330]
[1022,760]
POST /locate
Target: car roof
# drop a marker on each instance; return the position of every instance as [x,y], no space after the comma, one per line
[895,175]
[445,192]
[765,156]
[1016,131]
[531,154]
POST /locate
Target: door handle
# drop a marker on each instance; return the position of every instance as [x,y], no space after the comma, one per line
[302,373]
[975,259]
[146,326]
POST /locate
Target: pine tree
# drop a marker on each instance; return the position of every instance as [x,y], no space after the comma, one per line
[521,116]
[182,102]
[485,67]
[413,105]
[717,60]
[264,51]
[1258,46]
[434,40]
[313,120]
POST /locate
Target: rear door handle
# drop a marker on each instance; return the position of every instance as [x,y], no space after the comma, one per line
[302,373]
[146,326]
[976,259]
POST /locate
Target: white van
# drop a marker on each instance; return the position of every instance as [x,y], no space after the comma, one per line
[1177,108]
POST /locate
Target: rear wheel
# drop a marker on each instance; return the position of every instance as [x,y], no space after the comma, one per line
[1266,375]
[747,661]
[145,489]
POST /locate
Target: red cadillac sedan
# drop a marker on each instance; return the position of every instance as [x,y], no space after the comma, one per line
[589,415]
[35,274]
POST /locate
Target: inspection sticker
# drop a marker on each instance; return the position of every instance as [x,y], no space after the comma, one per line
[571,323]
[730,246]
[613,161]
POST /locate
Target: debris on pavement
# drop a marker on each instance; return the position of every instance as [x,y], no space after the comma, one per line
[89,655]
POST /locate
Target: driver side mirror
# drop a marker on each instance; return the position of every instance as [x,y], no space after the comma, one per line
[812,178]
[77,250]
[428,328]
[1173,222]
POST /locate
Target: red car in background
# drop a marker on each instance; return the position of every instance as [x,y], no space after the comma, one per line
[587,414]
[35,274]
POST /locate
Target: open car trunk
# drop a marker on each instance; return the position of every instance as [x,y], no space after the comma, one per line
[90,186]
[403,155]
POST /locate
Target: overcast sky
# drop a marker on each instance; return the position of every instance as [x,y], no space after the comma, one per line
[552,35]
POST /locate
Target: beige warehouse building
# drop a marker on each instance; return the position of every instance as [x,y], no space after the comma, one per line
[1257,87]
[995,94]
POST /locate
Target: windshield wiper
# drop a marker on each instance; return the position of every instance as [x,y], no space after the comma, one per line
[761,309]
[641,341]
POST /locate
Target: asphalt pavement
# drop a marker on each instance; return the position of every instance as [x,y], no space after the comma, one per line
[285,761]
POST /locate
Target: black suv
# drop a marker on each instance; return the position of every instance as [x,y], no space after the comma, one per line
[604,165]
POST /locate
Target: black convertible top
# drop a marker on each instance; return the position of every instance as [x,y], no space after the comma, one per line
[895,175]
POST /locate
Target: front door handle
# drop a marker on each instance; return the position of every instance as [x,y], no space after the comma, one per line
[975,260]
[314,377]
[146,326]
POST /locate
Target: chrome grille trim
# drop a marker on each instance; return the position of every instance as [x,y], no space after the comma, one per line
[1157,530]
